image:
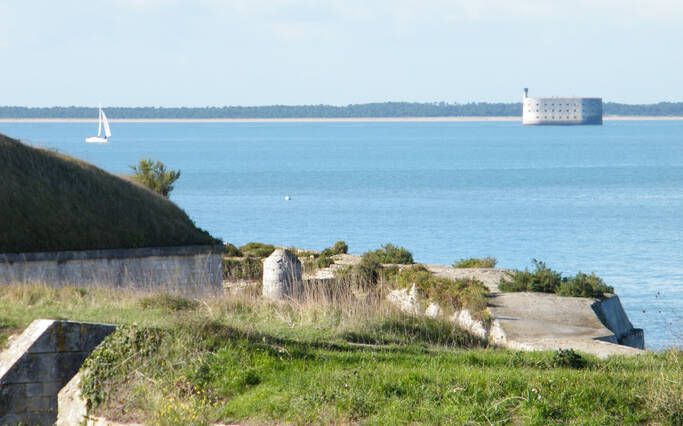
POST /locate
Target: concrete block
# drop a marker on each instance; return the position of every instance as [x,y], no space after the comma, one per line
[12,399]
[69,363]
[38,403]
[46,343]
[50,388]
[34,389]
[32,368]
[92,335]
[68,336]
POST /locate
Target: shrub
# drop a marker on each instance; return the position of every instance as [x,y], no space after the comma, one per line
[584,285]
[545,280]
[474,262]
[248,268]
[259,250]
[340,247]
[568,358]
[153,175]
[232,251]
[367,271]
[323,262]
[389,253]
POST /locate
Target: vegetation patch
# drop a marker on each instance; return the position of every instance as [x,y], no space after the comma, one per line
[453,295]
[340,247]
[389,253]
[475,262]
[170,302]
[241,360]
[232,251]
[53,202]
[259,250]
[545,280]
[153,175]
[246,268]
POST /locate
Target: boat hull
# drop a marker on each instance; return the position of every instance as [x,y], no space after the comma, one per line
[96,139]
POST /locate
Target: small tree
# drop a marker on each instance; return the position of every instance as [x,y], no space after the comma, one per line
[153,175]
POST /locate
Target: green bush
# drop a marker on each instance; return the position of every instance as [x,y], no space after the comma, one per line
[323,262]
[367,272]
[474,262]
[248,268]
[545,280]
[340,247]
[568,358]
[584,285]
[389,253]
[259,250]
[153,175]
[232,251]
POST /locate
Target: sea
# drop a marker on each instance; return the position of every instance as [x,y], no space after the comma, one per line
[606,199]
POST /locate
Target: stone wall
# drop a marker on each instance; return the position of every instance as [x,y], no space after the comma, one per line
[183,267]
[38,363]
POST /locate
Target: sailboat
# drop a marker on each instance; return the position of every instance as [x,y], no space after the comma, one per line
[107,131]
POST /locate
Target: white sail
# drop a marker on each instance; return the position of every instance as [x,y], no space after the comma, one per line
[107,130]
[99,124]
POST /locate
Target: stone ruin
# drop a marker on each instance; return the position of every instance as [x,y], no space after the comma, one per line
[281,275]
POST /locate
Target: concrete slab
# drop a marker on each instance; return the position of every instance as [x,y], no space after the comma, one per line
[541,321]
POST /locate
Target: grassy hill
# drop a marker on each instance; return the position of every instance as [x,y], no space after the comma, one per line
[52,202]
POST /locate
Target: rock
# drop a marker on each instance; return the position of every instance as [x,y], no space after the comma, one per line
[406,300]
[281,275]
[433,310]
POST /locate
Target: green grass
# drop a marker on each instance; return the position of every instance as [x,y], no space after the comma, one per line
[259,250]
[545,280]
[245,268]
[390,253]
[475,262]
[240,359]
[53,202]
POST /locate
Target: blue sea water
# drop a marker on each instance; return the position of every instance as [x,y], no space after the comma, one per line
[605,199]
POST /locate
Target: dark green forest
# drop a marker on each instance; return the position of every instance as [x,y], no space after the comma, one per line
[385,109]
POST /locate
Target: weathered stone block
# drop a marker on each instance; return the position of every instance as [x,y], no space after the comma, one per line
[32,368]
[34,389]
[12,399]
[50,388]
[281,275]
[93,334]
[69,363]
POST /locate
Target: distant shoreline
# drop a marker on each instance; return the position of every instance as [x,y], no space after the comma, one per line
[318,120]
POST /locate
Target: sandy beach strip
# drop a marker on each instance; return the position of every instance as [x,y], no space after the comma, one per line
[315,120]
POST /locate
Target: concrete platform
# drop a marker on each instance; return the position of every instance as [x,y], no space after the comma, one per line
[542,321]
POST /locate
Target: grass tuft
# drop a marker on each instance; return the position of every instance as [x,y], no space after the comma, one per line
[475,262]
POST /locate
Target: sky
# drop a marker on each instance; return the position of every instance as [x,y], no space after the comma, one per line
[339,52]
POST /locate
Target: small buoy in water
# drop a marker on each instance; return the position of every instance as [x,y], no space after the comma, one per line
[287,197]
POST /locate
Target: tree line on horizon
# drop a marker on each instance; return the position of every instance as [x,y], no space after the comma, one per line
[369,110]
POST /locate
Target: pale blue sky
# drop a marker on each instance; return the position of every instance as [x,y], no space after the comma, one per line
[262,52]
